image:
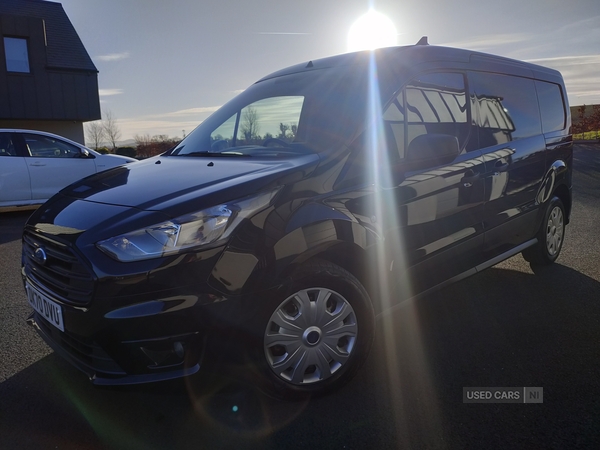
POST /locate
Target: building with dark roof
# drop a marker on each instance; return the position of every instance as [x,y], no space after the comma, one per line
[48,81]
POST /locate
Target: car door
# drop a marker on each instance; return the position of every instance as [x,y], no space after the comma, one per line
[429,209]
[15,187]
[53,164]
[439,202]
[509,130]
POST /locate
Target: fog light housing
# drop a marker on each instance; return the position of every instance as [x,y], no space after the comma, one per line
[166,354]
[179,349]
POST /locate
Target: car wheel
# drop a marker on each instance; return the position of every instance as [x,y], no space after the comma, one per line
[318,333]
[550,235]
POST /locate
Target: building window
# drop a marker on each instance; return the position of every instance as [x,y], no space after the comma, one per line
[17,58]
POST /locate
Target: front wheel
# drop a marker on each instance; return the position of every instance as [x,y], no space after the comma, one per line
[550,235]
[318,334]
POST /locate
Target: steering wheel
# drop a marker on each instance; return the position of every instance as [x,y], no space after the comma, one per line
[274,140]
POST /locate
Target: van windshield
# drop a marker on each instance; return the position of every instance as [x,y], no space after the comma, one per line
[304,112]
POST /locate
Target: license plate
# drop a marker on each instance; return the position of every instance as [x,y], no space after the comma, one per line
[49,309]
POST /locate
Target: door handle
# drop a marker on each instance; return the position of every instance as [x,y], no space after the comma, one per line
[500,167]
[470,178]
[37,164]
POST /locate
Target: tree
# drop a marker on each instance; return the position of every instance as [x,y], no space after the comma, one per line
[580,124]
[95,133]
[283,128]
[595,119]
[111,129]
[143,145]
[147,146]
[249,126]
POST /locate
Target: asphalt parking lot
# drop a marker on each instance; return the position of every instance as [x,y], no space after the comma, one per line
[508,326]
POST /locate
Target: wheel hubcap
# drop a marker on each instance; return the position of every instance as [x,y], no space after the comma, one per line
[310,336]
[554,231]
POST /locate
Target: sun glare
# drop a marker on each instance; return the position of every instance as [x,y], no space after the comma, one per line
[370,31]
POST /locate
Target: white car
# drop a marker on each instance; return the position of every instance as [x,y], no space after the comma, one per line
[35,165]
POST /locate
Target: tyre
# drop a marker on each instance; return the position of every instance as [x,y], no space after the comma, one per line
[550,236]
[316,334]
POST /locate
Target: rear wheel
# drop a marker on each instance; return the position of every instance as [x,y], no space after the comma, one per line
[550,235]
[318,334]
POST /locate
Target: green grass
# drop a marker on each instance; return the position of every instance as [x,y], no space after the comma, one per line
[587,135]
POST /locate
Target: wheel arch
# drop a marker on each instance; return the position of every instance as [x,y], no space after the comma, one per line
[347,255]
[564,193]
[557,182]
[345,243]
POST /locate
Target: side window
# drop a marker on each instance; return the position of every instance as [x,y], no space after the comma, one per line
[222,137]
[433,103]
[506,108]
[7,147]
[47,147]
[552,106]
[393,127]
[275,117]
[437,104]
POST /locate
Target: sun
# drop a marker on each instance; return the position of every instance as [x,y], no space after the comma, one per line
[370,31]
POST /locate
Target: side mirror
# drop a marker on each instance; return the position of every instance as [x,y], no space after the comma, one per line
[83,153]
[429,150]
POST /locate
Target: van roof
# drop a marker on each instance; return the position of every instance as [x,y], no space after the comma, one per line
[423,54]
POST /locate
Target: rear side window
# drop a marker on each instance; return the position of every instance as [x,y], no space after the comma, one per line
[7,147]
[506,108]
[552,106]
[47,147]
[434,103]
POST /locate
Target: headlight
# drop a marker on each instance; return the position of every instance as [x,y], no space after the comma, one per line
[192,230]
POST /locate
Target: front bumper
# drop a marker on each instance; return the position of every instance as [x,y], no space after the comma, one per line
[102,369]
[128,323]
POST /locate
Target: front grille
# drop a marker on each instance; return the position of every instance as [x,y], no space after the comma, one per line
[63,274]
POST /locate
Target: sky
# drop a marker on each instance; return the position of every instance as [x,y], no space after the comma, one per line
[164,66]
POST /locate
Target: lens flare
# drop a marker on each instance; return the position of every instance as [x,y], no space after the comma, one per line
[371,31]
[402,333]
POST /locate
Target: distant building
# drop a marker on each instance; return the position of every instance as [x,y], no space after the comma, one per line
[48,81]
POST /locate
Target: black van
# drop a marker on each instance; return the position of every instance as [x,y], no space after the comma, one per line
[320,196]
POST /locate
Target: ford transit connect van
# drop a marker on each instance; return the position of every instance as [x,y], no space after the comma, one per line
[322,195]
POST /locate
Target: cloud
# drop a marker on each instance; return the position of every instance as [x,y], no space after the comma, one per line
[171,123]
[281,32]
[568,60]
[140,126]
[589,24]
[489,42]
[107,92]
[113,56]
[192,111]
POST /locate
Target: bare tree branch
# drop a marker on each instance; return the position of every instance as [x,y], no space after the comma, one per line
[94,133]
[111,129]
[249,126]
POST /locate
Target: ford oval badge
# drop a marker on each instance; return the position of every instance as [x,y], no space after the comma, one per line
[40,255]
